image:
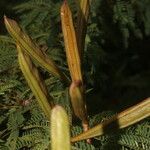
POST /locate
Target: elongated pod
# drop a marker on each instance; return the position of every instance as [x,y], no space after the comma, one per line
[71,47]
[124,119]
[35,82]
[74,63]
[25,42]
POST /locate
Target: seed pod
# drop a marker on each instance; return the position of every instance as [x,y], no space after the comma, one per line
[73,59]
[77,100]
[71,47]
[35,82]
[82,19]
[25,42]
[60,132]
[124,119]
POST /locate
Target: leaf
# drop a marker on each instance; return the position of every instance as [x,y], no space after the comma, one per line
[60,132]
[35,82]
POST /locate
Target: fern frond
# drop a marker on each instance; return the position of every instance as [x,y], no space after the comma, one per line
[15,121]
[128,139]
[7,52]
[134,141]
[32,138]
[9,85]
[124,15]
[35,132]
[38,10]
